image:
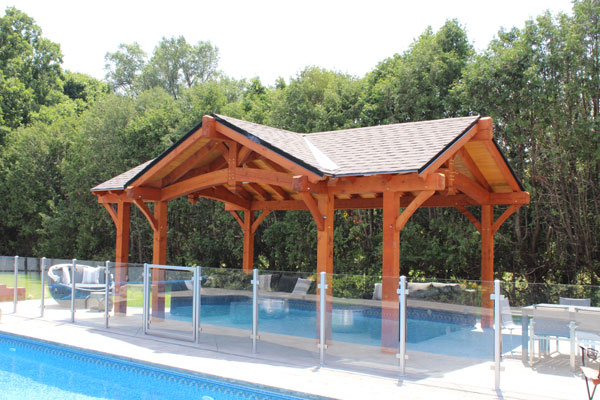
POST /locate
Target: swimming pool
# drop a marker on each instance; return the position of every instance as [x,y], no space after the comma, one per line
[350,324]
[35,370]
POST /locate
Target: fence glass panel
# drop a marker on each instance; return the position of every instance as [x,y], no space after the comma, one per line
[363,333]
[7,284]
[543,326]
[57,305]
[287,317]
[226,310]
[171,303]
[126,297]
[450,335]
[29,287]
[89,292]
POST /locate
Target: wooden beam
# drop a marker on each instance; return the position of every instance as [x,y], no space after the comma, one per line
[393,183]
[159,257]
[487,264]
[243,156]
[267,153]
[143,193]
[412,207]
[147,213]
[259,219]
[474,169]
[189,164]
[509,211]
[209,130]
[232,166]
[471,189]
[509,198]
[221,194]
[248,253]
[260,192]
[112,213]
[456,146]
[237,218]
[194,184]
[390,270]
[111,197]
[258,175]
[502,165]
[313,207]
[470,216]
[122,257]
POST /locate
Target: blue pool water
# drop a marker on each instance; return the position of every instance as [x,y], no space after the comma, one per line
[353,324]
[34,370]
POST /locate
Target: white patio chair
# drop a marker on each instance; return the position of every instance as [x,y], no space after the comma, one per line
[548,323]
[567,301]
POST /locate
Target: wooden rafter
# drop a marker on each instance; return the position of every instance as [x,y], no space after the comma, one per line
[188,164]
[471,189]
[243,156]
[474,169]
[482,124]
[267,153]
[502,165]
[260,192]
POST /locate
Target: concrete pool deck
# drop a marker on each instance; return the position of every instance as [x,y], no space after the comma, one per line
[299,372]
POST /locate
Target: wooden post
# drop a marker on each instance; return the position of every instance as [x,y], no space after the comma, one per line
[325,255]
[390,271]
[122,257]
[248,259]
[159,257]
[487,264]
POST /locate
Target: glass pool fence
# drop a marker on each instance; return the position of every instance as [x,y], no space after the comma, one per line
[378,325]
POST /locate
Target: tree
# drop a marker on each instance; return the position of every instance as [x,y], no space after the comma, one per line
[30,72]
[124,66]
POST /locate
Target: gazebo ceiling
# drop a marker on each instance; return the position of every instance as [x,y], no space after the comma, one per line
[252,166]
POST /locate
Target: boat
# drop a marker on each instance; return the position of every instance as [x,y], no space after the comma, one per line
[90,286]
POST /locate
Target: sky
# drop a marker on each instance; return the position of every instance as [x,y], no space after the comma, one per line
[270,39]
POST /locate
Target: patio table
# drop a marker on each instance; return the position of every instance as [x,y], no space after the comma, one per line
[527,313]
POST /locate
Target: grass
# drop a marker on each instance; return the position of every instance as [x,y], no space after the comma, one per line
[32,282]
[33,288]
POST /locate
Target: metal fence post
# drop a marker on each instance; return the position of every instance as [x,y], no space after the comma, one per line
[16,292]
[43,276]
[199,307]
[73,275]
[145,297]
[322,309]
[106,292]
[402,293]
[196,305]
[497,333]
[255,284]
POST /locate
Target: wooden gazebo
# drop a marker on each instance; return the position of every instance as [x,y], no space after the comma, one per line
[255,168]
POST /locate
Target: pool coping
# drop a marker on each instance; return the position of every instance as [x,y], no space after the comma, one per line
[168,368]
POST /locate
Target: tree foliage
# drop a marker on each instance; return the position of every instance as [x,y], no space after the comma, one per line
[66,132]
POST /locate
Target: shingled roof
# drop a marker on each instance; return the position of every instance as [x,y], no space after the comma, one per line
[385,149]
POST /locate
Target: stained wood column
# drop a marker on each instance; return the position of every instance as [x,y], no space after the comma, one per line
[325,256]
[122,257]
[390,271]
[487,264]
[248,258]
[159,257]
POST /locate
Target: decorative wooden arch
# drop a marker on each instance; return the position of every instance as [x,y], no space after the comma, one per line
[398,168]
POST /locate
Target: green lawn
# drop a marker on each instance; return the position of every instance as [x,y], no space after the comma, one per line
[33,288]
[32,283]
